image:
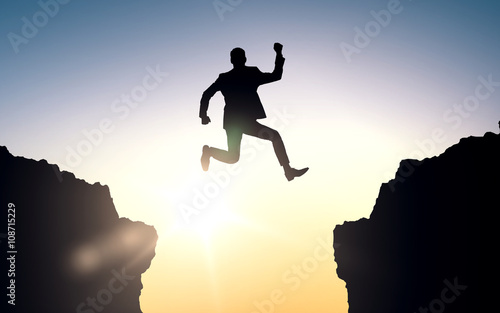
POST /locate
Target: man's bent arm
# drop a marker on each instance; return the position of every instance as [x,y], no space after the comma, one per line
[277,72]
[205,98]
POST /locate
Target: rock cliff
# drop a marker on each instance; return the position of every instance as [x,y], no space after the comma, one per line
[63,246]
[426,245]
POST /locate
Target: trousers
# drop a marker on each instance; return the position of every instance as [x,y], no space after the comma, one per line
[252,128]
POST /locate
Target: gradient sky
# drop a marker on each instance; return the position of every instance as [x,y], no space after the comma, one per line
[365,84]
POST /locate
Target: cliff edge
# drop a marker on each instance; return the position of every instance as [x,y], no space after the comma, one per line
[426,245]
[63,246]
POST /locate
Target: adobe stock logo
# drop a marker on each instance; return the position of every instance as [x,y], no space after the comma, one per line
[455,116]
[104,297]
[296,275]
[221,7]
[448,295]
[121,107]
[363,37]
[31,27]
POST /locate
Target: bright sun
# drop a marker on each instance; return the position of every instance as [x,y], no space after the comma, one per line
[208,223]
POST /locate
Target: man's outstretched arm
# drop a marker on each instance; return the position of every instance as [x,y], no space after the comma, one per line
[205,99]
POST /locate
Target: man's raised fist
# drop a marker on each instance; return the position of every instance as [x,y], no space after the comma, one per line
[278,47]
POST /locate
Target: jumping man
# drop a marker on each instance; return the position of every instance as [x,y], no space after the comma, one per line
[242,110]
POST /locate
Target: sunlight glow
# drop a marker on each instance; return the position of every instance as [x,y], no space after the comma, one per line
[208,223]
[86,259]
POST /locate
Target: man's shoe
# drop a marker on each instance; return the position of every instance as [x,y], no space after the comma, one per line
[292,173]
[205,158]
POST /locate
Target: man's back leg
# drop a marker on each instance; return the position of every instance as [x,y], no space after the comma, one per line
[264,132]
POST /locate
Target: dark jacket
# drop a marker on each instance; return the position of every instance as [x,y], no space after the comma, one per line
[239,88]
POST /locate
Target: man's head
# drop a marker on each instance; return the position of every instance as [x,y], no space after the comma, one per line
[238,57]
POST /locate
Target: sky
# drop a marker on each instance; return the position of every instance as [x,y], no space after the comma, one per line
[110,91]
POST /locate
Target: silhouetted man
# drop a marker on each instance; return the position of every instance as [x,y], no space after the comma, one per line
[243,108]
